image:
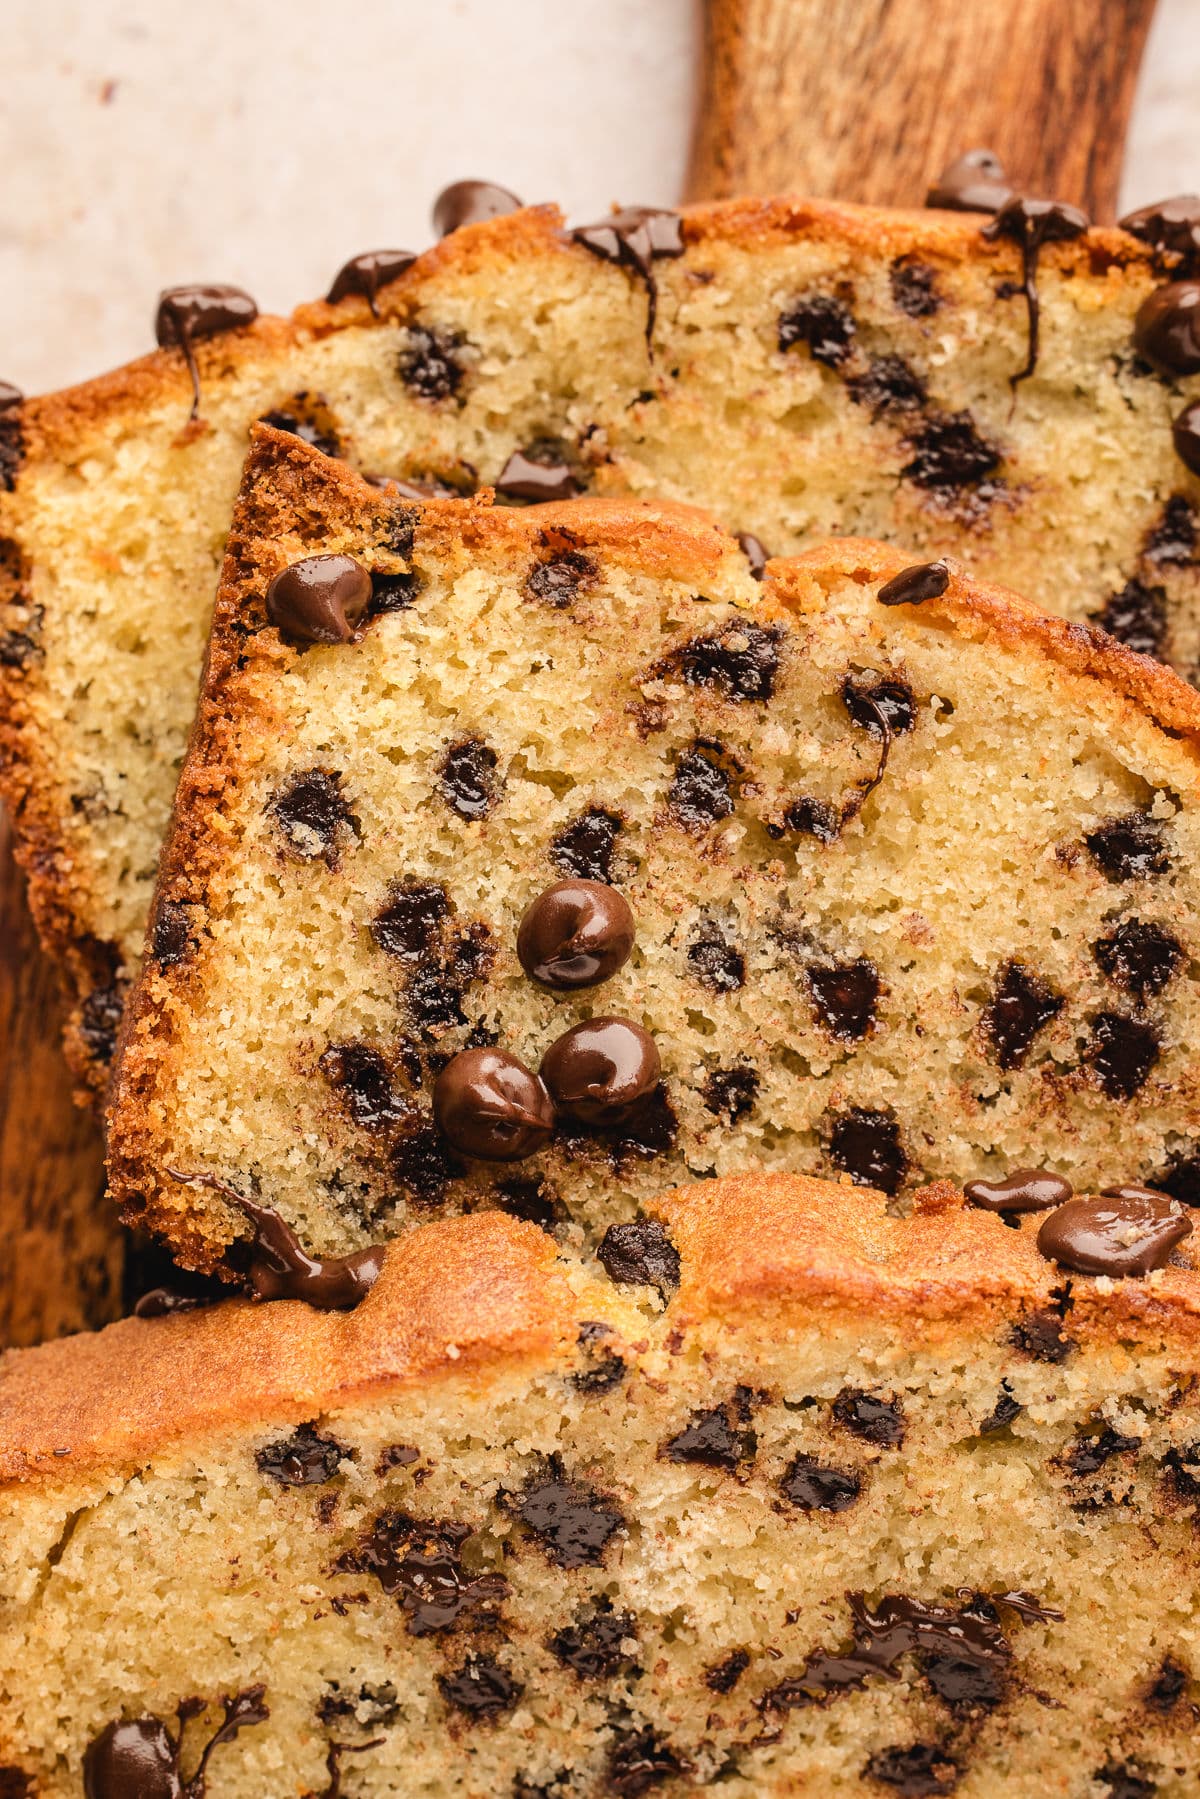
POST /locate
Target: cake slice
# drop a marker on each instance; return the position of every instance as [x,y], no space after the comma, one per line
[872,1506]
[537,859]
[799,368]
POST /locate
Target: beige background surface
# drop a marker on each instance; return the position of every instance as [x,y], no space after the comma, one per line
[145,142]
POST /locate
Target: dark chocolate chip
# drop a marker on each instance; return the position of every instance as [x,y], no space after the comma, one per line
[1181,1178]
[591,1645]
[866,1145]
[136,1758]
[814,1487]
[370,1707]
[914,288]
[1136,617]
[809,817]
[99,1022]
[845,995]
[307,417]
[878,1421]
[538,474]
[572,1521]
[470,203]
[923,581]
[313,815]
[824,324]
[364,275]
[434,990]
[888,384]
[879,706]
[171,936]
[640,1254]
[1168,226]
[949,453]
[740,661]
[430,364]
[364,1077]
[1123,1782]
[1139,956]
[481,1687]
[600,1069]
[1003,1413]
[305,1459]
[467,778]
[488,1104]
[12,436]
[976,181]
[1122,1051]
[410,923]
[1129,848]
[730,1093]
[419,1562]
[415,487]
[636,238]
[1115,1236]
[1185,434]
[1024,1190]
[754,552]
[320,599]
[1169,1685]
[1172,541]
[559,581]
[604,1371]
[586,845]
[720,1437]
[280,1268]
[1166,331]
[575,934]
[1022,1004]
[10,397]
[715,962]
[1040,1336]
[187,314]
[392,591]
[724,1675]
[1181,1465]
[1091,1454]
[533,1201]
[700,793]
[639,1761]
[920,1771]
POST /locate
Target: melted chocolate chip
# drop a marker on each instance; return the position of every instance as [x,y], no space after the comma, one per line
[320,599]
[724,1675]
[810,818]
[1122,1051]
[845,995]
[419,1563]
[1185,435]
[1040,1336]
[586,845]
[636,238]
[718,1438]
[430,364]
[880,707]
[866,1145]
[888,384]
[1030,224]
[600,1069]
[364,275]
[1172,542]
[754,552]
[824,324]
[365,1078]
[1129,1235]
[604,1371]
[976,181]
[1166,331]
[410,923]
[187,314]
[435,987]
[1021,1005]
[305,1459]
[572,1521]
[814,1487]
[639,1761]
[99,1022]
[1139,956]
[920,1771]
[914,288]
[138,1758]
[1024,1190]
[1169,1685]
[1003,1413]
[470,203]
[1130,848]
[171,936]
[730,1093]
[923,581]
[1124,1783]
[489,1105]
[740,661]
[641,1255]
[700,793]
[559,581]
[949,453]
[1170,227]
[467,778]
[1092,1453]
[1136,617]
[715,962]
[1181,1178]
[538,474]
[878,1421]
[313,815]
[591,1645]
[575,934]
[308,417]
[481,1687]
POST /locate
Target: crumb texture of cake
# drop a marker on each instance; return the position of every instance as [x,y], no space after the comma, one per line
[811,370]
[586,863]
[873,1506]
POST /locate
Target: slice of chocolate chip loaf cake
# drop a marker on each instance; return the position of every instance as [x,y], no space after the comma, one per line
[1005,388]
[874,1506]
[537,859]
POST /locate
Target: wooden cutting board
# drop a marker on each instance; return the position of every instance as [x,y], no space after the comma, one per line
[855,99]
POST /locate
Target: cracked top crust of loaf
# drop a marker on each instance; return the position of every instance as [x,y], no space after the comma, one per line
[913,886]
[814,369]
[869,1505]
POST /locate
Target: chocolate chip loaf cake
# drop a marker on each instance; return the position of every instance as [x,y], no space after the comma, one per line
[873,1506]
[1019,389]
[539,859]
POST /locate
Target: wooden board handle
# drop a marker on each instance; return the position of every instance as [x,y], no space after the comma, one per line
[869,99]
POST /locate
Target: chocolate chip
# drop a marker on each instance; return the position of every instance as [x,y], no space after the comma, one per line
[467,778]
[923,581]
[824,324]
[1003,1413]
[533,1201]
[538,473]
[419,1562]
[364,1077]
[715,962]
[888,384]
[305,1459]
[1169,1685]
[1024,1190]
[369,1707]
[586,845]
[1140,956]
[99,1022]
[876,704]
[921,1771]
[1129,848]
[1040,1336]
[320,599]
[914,288]
[171,936]
[489,1105]
[1129,1235]
[575,934]
[1124,1783]
[604,1371]
[17,648]
[12,436]
[559,581]
[810,818]
[481,1687]
[1181,1178]
[1022,1004]
[866,1145]
[313,815]
[754,552]
[591,1645]
[187,314]
[730,1093]
[949,453]
[410,923]
[845,995]
[434,990]
[640,1760]
[416,487]
[1122,1051]
[392,591]
[636,238]
[1172,541]
[814,1487]
[640,1254]
[1166,331]
[700,792]
[364,275]
[740,661]
[572,1521]
[1092,1453]
[724,1675]
[134,1758]
[430,363]
[1031,224]
[1168,226]
[598,1070]
[878,1421]
[1185,435]
[1136,617]
[976,181]
[1181,1464]
[470,203]
[718,1438]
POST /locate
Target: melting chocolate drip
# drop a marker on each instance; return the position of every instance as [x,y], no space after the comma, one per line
[1030,224]
[333,1764]
[281,1269]
[364,275]
[976,181]
[138,1758]
[636,238]
[186,314]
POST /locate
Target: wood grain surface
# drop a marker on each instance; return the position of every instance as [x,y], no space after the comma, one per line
[869,99]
